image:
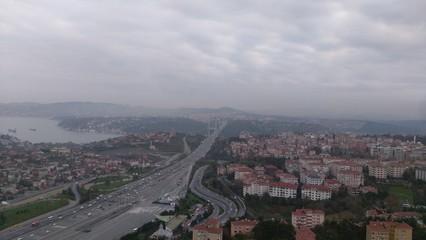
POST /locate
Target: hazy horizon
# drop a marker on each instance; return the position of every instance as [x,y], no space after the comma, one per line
[357,59]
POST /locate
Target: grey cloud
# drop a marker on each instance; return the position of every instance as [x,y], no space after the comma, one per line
[244,54]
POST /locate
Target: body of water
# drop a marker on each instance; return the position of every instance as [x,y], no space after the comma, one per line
[38,130]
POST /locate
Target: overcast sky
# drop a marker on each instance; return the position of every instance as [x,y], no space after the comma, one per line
[306,58]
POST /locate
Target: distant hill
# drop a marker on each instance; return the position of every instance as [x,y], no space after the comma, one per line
[274,126]
[240,120]
[130,125]
[81,109]
[269,127]
[90,109]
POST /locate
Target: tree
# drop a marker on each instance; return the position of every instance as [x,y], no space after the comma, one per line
[409,175]
[273,230]
[2,219]
[346,229]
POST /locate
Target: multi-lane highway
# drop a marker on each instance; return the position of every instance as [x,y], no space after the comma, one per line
[113,215]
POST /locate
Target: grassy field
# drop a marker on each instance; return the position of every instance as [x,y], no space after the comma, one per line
[21,214]
[404,194]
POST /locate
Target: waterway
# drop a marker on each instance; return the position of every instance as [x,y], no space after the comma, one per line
[38,130]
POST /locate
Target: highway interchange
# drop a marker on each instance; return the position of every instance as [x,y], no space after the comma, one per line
[230,210]
[118,213]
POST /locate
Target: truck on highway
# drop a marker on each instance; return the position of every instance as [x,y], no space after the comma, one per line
[35,223]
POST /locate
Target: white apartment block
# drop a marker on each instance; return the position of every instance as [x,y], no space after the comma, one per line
[308,177]
[283,190]
[378,171]
[421,173]
[395,170]
[350,178]
[240,172]
[256,188]
[316,192]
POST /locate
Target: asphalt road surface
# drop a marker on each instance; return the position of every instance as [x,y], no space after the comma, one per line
[229,208]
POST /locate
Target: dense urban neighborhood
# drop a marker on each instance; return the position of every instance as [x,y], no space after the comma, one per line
[306,184]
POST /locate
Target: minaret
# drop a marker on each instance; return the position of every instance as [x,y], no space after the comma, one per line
[415,139]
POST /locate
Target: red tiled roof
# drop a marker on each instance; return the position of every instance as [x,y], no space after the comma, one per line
[331,181]
[244,222]
[302,212]
[287,175]
[305,234]
[283,185]
[316,187]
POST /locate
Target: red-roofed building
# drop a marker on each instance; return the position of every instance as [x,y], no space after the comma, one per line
[293,165]
[208,230]
[395,169]
[305,234]
[270,169]
[266,178]
[232,167]
[256,188]
[333,184]
[249,178]
[241,171]
[307,218]
[259,170]
[283,190]
[350,178]
[288,178]
[389,231]
[316,192]
[242,227]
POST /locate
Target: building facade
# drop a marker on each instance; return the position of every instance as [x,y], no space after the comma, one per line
[208,230]
[377,230]
[242,227]
[282,190]
[316,192]
[307,218]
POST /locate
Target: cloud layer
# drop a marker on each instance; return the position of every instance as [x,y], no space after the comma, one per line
[334,58]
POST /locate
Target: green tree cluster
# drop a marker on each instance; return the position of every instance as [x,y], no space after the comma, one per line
[273,230]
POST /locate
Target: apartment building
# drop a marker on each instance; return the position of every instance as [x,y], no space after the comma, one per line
[350,178]
[421,173]
[333,184]
[377,230]
[283,190]
[395,170]
[316,192]
[377,170]
[307,218]
[311,177]
[241,171]
[242,227]
[288,178]
[256,188]
[208,230]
